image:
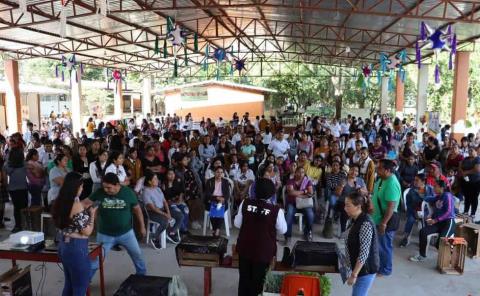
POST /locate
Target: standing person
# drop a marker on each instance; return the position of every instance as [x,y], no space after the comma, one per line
[35,176]
[259,221]
[17,184]
[118,205]
[56,176]
[386,196]
[441,221]
[361,246]
[470,170]
[76,224]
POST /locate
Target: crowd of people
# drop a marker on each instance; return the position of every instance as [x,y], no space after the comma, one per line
[171,170]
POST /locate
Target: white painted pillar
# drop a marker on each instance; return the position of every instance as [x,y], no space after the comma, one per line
[76,97]
[384,99]
[147,96]
[118,101]
[422,88]
[132,107]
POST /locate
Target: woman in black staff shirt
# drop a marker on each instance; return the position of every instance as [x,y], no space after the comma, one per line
[259,221]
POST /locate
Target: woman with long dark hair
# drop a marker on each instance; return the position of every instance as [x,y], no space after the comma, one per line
[57,175]
[17,184]
[97,169]
[76,225]
[115,165]
[361,244]
[35,176]
[82,166]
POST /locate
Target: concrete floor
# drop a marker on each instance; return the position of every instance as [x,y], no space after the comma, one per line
[408,278]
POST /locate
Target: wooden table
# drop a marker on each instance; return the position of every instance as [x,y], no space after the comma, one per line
[47,256]
[207,272]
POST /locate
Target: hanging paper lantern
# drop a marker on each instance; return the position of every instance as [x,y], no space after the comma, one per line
[437,40]
[220,54]
[116,75]
[366,71]
[239,65]
[69,66]
[390,65]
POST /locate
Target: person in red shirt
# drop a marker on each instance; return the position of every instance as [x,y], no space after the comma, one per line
[434,174]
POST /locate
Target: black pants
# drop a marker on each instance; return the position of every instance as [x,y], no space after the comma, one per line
[445,229]
[252,277]
[20,201]
[216,223]
[340,209]
[470,191]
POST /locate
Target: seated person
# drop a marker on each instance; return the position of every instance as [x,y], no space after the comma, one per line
[353,183]
[174,194]
[299,187]
[333,180]
[242,179]
[159,211]
[418,192]
[407,171]
[217,194]
[441,221]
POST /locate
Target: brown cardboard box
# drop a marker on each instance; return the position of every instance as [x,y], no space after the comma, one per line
[16,282]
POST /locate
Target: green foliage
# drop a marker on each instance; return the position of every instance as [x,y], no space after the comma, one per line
[273,281]
[38,70]
[97,101]
[93,73]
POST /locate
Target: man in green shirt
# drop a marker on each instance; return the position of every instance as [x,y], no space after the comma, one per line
[117,205]
[385,199]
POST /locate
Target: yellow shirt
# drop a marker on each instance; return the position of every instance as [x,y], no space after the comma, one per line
[313,172]
[90,127]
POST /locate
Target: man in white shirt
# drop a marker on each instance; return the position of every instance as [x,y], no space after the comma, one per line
[237,136]
[47,154]
[358,137]
[279,146]
[27,136]
[335,128]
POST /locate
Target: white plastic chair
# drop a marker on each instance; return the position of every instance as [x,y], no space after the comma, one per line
[163,236]
[226,218]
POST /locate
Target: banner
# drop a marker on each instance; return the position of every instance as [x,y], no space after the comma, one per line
[433,122]
[197,93]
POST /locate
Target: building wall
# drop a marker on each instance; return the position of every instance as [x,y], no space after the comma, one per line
[222,102]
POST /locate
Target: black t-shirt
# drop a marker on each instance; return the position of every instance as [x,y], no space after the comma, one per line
[171,193]
[431,154]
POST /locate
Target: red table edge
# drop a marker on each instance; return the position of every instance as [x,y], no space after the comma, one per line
[53,258]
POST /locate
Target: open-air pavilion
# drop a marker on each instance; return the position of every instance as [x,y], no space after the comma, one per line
[339,36]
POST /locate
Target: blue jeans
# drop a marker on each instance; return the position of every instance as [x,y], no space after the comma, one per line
[385,251]
[182,208]
[76,266]
[363,284]
[129,242]
[307,214]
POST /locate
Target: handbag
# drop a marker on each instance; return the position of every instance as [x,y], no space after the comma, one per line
[177,287]
[215,211]
[394,223]
[303,203]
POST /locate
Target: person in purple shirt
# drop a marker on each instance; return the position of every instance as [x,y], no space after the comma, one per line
[441,220]
[378,151]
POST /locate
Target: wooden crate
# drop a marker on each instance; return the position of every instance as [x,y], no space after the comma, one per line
[451,255]
[461,219]
[201,260]
[471,233]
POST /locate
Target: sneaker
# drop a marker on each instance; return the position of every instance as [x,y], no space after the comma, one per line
[173,238]
[404,242]
[418,258]
[196,226]
[309,236]
[155,244]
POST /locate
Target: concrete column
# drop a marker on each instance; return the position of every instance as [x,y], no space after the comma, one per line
[422,88]
[13,104]
[132,107]
[399,96]
[76,97]
[147,96]
[460,94]
[384,99]
[118,101]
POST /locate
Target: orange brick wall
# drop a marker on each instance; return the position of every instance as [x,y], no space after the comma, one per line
[224,111]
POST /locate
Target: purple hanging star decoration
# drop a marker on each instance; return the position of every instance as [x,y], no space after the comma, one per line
[239,65]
